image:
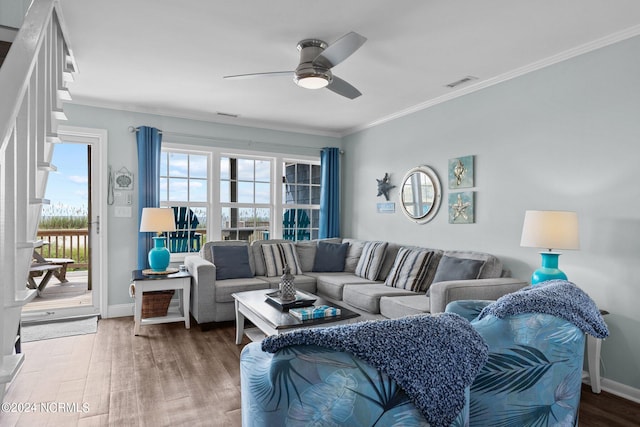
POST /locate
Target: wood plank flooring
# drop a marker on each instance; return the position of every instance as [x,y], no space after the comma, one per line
[169,376]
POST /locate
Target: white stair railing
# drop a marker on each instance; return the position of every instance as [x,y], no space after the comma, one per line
[32,84]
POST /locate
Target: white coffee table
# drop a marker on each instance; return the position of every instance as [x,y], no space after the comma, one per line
[252,305]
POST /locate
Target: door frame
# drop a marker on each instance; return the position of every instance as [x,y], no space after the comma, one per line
[97,139]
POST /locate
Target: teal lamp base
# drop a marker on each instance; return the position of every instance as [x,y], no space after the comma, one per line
[159,256]
[549,269]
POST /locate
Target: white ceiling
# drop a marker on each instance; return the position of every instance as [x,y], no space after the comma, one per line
[168,57]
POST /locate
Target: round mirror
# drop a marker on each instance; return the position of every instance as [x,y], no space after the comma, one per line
[421,194]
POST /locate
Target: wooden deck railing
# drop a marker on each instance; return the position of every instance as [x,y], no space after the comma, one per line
[72,244]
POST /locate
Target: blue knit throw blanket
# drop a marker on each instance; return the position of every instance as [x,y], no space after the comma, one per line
[431,357]
[559,298]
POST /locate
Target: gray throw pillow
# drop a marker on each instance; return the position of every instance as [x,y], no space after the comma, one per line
[232,262]
[330,257]
[451,268]
[370,261]
[409,270]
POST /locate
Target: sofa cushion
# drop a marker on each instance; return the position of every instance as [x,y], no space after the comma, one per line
[330,257]
[307,251]
[371,260]
[492,267]
[389,259]
[277,255]
[451,268]
[332,284]
[302,282]
[226,288]
[409,270]
[353,254]
[232,262]
[206,251]
[400,306]
[367,297]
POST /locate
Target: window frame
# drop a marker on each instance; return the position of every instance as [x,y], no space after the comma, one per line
[182,149]
[214,208]
[310,207]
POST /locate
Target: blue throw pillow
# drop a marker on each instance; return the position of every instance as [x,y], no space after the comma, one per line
[232,262]
[330,257]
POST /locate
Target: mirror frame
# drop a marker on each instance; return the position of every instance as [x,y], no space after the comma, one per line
[437,196]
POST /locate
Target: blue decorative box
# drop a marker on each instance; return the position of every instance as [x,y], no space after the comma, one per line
[315,312]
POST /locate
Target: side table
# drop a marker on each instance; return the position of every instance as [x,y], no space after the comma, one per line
[180,281]
[593,359]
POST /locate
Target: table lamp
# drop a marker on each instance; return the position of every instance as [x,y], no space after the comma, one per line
[550,230]
[158,220]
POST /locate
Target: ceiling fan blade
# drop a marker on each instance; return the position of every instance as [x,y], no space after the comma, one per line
[343,88]
[341,49]
[252,75]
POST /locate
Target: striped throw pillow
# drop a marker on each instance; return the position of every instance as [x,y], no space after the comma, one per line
[409,270]
[371,259]
[277,255]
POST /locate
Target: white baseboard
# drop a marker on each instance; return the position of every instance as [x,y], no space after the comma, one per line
[622,390]
[613,387]
[124,310]
[120,310]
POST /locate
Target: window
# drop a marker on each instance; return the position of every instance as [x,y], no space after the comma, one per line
[184,187]
[217,195]
[301,200]
[245,198]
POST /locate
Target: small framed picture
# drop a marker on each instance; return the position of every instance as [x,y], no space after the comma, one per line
[386,207]
[461,208]
[123,180]
[461,172]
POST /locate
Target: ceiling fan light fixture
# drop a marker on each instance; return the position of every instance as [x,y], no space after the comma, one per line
[312,82]
[310,77]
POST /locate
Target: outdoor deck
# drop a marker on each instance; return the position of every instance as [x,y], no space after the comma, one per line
[59,295]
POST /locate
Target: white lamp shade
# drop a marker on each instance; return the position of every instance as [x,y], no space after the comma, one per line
[550,230]
[157,220]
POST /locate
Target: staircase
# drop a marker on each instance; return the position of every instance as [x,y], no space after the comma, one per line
[33,79]
[4,50]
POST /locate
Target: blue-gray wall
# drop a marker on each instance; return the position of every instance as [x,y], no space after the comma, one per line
[566,137]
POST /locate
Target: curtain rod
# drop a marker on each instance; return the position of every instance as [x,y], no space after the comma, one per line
[248,142]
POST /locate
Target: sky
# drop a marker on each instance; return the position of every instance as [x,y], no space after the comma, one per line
[67,188]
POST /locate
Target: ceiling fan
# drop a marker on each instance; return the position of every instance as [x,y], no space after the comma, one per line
[316,60]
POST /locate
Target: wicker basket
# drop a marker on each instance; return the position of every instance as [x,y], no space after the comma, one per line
[156,303]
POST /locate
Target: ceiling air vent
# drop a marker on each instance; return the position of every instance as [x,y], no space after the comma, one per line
[461,81]
[233,116]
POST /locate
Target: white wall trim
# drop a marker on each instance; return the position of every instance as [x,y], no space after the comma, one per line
[622,390]
[99,139]
[120,310]
[562,56]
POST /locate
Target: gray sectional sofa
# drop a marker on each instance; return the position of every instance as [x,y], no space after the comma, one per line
[374,285]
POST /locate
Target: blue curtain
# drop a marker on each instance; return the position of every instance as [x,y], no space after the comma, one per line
[329,193]
[149,143]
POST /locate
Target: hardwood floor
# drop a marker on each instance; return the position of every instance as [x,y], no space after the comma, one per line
[169,376]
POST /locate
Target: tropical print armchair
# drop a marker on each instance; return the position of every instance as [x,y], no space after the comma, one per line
[315,386]
[534,372]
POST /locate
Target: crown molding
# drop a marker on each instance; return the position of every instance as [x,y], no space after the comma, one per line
[555,59]
[205,117]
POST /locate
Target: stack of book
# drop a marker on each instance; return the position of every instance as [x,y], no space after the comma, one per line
[315,312]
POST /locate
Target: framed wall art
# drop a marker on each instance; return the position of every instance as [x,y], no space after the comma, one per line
[123,180]
[461,207]
[461,172]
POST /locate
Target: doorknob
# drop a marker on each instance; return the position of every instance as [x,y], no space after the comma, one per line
[97,223]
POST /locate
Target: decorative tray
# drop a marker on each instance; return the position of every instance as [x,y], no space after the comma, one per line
[150,272]
[303,299]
